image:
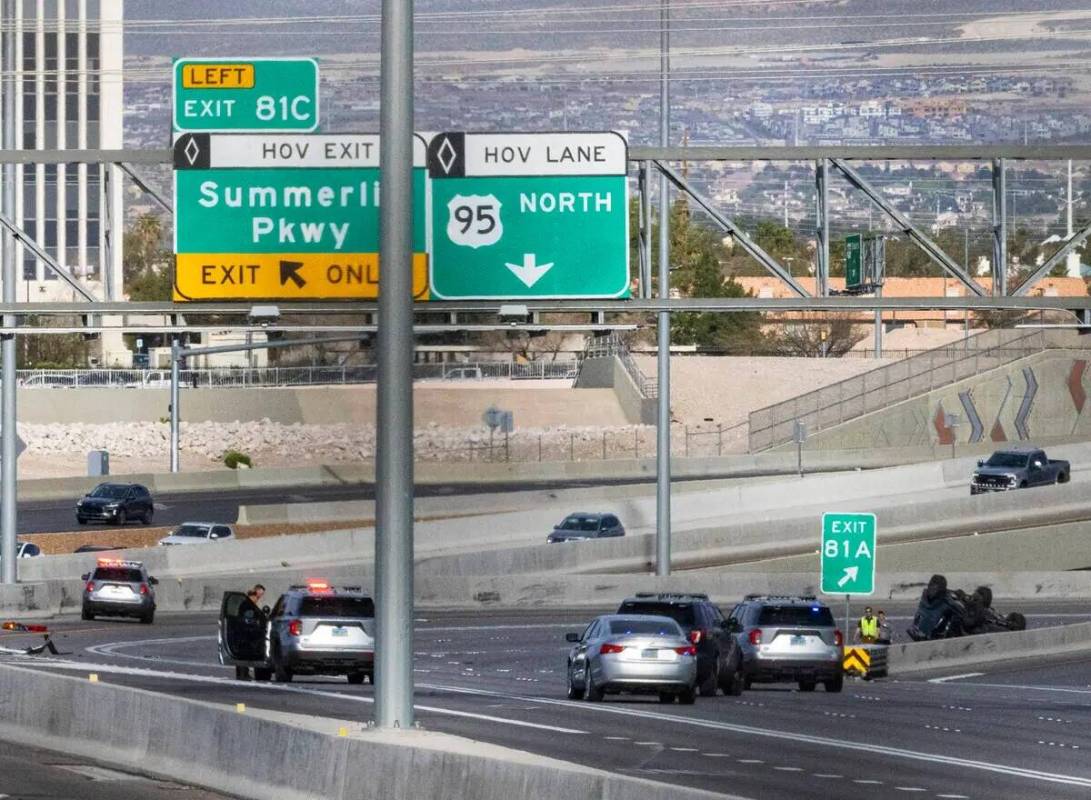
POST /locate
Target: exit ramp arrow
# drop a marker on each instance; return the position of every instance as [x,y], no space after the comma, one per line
[289,271]
[530,271]
[851,573]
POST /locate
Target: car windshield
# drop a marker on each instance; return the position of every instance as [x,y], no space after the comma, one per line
[656,627]
[353,607]
[196,531]
[1007,460]
[580,524]
[795,615]
[118,574]
[682,613]
[110,491]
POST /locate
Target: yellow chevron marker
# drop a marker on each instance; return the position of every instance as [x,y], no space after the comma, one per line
[856,659]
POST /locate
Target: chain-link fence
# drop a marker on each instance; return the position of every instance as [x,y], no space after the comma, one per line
[292,376]
[892,383]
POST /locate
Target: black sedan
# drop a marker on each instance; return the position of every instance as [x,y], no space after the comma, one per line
[117,503]
[581,526]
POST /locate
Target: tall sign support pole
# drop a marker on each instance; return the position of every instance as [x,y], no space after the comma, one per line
[1000,228]
[8,455]
[175,401]
[394,458]
[663,331]
[822,198]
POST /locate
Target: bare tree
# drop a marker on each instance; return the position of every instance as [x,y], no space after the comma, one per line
[816,335]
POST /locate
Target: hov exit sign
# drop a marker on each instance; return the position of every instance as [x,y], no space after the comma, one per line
[848,553]
[528,216]
[245,94]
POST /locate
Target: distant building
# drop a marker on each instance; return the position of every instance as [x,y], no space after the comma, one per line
[69,71]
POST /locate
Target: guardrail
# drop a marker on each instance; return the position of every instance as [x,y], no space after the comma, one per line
[291,376]
[892,383]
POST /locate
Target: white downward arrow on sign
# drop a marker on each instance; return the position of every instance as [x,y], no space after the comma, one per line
[530,271]
[850,575]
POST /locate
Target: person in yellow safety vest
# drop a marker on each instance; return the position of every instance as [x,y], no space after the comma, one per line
[867,632]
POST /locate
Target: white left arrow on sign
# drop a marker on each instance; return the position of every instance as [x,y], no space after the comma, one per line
[530,271]
[851,574]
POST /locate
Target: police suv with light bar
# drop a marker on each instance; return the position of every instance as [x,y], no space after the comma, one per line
[121,589]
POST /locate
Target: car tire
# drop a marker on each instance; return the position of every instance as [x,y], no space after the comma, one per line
[147,518]
[666,698]
[149,618]
[81,520]
[747,683]
[121,518]
[733,684]
[807,686]
[283,673]
[356,678]
[835,684]
[1062,477]
[591,693]
[263,674]
[242,673]
[573,692]
[85,614]
[708,688]
[687,696]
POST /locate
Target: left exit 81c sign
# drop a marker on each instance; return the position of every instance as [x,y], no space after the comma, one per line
[245,95]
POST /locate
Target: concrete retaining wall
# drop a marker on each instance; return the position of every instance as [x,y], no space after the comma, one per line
[258,757]
[609,372]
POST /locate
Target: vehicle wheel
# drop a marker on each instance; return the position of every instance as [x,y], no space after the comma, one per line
[807,686]
[591,693]
[667,697]
[835,684]
[733,685]
[1023,485]
[85,614]
[121,518]
[242,673]
[263,674]
[687,696]
[147,619]
[147,518]
[1062,477]
[81,520]
[356,678]
[747,683]
[1017,621]
[573,692]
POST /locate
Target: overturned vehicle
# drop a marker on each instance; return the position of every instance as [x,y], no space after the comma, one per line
[944,613]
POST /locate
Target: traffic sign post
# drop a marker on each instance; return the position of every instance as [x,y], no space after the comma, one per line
[245,94]
[517,216]
[284,217]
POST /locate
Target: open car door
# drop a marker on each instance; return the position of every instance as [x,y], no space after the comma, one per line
[242,632]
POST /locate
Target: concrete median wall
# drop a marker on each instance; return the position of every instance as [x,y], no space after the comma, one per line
[258,757]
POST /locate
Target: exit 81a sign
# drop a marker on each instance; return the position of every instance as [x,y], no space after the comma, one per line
[848,553]
[245,94]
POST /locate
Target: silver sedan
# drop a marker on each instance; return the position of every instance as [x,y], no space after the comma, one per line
[632,653]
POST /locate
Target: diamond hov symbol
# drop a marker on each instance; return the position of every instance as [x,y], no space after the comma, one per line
[848,553]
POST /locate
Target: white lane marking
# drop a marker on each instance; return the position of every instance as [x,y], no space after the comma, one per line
[750,761]
[99,774]
[648,744]
[684,749]
[827,775]
[954,796]
[716,755]
[910,789]
[957,677]
[184,676]
[616,738]
[868,782]
[110,649]
[788,769]
[820,741]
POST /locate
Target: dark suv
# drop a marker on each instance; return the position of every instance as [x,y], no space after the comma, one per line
[117,503]
[719,657]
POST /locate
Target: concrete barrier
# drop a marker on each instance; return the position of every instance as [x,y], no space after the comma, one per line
[966,651]
[267,755]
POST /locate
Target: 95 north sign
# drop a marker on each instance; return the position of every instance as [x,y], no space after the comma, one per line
[848,553]
[245,94]
[528,215]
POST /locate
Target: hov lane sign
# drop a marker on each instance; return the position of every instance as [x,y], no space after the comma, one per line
[245,94]
[284,217]
[848,553]
[528,215]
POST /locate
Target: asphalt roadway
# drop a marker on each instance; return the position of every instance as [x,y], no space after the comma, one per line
[1020,730]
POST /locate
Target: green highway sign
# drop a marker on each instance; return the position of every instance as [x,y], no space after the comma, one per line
[245,94]
[848,553]
[284,217]
[517,216]
[854,259]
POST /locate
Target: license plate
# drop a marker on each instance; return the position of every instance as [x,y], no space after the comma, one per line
[799,641]
[649,654]
[340,632]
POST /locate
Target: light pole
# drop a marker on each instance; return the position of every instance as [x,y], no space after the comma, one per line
[663,326]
